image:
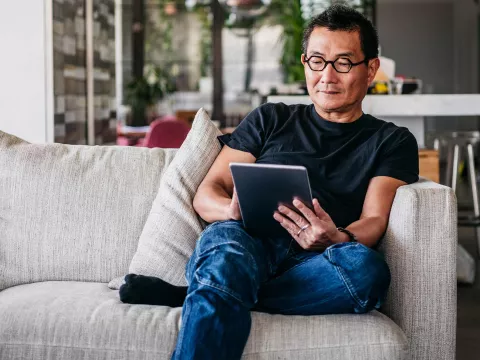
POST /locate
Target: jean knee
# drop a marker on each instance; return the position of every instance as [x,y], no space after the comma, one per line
[364,272]
[225,232]
[226,259]
[212,235]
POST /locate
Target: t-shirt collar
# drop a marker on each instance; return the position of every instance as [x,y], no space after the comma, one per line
[335,126]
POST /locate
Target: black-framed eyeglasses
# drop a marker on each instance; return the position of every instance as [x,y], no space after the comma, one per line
[341,65]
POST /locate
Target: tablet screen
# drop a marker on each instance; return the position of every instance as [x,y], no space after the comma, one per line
[261,188]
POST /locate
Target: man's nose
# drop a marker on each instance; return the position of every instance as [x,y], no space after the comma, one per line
[329,74]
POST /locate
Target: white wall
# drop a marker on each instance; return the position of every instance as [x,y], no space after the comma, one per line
[419,37]
[466,46]
[436,41]
[26,91]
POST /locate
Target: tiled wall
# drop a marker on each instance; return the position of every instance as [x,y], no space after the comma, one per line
[69,64]
[70,78]
[104,74]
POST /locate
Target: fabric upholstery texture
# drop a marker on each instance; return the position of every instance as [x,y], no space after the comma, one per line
[73,212]
[77,320]
[172,228]
[420,247]
[76,213]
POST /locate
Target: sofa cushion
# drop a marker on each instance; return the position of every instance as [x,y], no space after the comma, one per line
[73,212]
[172,228]
[74,320]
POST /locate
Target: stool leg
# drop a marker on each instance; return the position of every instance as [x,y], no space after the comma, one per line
[473,184]
[456,160]
[449,170]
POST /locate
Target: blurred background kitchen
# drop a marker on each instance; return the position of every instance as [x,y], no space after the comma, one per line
[114,72]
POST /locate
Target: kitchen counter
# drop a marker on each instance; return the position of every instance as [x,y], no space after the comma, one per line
[408,105]
[408,110]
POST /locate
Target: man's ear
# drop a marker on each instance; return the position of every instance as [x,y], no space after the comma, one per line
[302,59]
[373,66]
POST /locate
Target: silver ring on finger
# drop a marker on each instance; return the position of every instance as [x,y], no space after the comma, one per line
[302,229]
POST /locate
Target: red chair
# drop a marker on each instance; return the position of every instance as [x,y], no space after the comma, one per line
[122,141]
[167,132]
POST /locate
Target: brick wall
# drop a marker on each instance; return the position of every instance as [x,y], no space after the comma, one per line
[69,54]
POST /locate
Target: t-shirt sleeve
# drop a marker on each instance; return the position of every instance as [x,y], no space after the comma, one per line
[400,160]
[250,134]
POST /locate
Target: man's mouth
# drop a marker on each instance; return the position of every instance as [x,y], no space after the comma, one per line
[329,92]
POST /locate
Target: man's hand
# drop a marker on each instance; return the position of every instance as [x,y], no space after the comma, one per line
[234,208]
[319,230]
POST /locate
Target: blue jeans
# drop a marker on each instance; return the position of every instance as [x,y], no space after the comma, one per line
[232,273]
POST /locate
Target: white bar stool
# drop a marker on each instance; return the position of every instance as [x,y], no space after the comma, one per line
[461,145]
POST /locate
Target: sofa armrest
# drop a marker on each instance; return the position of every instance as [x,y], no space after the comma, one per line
[420,247]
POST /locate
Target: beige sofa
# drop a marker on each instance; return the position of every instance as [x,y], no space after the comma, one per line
[70,221]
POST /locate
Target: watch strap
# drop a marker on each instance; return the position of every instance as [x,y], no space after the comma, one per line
[352,237]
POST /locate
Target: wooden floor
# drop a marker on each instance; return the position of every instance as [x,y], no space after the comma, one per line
[468,307]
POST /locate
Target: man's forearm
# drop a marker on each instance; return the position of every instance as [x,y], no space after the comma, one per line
[211,202]
[368,230]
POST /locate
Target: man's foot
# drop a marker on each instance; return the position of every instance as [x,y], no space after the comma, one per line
[149,290]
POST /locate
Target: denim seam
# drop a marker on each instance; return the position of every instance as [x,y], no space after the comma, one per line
[217,244]
[181,336]
[209,283]
[247,253]
[346,282]
[223,289]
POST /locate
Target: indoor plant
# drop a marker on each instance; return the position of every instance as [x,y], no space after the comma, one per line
[143,93]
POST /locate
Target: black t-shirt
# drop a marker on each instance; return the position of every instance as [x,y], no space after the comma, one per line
[341,158]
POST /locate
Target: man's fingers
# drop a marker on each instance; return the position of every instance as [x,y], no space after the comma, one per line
[235,196]
[306,211]
[234,212]
[288,224]
[285,221]
[291,227]
[298,219]
[319,211]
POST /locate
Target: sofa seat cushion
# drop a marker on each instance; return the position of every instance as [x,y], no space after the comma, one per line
[76,320]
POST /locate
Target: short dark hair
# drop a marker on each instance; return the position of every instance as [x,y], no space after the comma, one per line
[344,18]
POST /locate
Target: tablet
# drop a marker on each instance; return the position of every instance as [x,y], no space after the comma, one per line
[261,188]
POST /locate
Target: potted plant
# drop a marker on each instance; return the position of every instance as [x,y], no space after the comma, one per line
[142,95]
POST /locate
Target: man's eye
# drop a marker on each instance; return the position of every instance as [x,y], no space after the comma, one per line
[317,61]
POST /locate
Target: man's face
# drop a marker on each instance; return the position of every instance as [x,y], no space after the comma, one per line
[329,90]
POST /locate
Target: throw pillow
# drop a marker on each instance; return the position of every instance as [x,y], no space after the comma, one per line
[173,227]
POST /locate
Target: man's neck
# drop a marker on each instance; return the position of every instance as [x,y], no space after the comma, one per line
[346,116]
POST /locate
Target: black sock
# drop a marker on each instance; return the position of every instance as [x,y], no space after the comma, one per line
[149,290]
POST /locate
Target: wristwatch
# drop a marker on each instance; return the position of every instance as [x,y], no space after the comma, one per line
[352,237]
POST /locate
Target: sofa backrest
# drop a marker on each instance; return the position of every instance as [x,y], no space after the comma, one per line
[70,212]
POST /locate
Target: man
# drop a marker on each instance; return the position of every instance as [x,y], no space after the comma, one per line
[355,164]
